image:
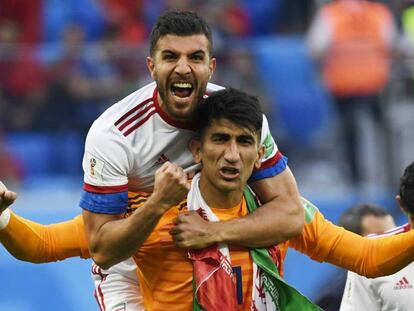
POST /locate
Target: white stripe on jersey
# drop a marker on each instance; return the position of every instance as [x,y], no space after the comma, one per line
[393,231]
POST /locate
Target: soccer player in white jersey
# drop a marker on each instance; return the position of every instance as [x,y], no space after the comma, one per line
[151,128]
[393,292]
[134,137]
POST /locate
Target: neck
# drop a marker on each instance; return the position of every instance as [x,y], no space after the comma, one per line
[218,198]
[169,114]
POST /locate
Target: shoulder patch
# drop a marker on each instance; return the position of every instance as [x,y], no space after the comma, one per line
[310,210]
[96,166]
[269,145]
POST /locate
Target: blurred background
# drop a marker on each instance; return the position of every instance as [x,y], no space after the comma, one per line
[337,89]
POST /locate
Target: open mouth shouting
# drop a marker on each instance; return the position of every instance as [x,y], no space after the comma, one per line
[182,89]
[229,173]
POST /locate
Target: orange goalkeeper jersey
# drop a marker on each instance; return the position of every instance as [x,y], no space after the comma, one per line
[321,240]
[168,272]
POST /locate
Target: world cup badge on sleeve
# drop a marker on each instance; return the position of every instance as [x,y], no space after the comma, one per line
[95,166]
[93,163]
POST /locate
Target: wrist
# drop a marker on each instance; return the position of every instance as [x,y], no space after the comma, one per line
[218,235]
[4,218]
[157,206]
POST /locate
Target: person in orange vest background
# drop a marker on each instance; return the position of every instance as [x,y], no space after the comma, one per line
[352,41]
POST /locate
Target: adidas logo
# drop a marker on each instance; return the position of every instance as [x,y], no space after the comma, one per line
[161,160]
[403,284]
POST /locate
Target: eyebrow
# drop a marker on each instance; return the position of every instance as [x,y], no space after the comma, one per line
[167,51]
[219,134]
[246,137]
[199,52]
[225,135]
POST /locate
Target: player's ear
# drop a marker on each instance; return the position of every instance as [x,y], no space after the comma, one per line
[260,154]
[212,66]
[195,147]
[151,66]
[402,208]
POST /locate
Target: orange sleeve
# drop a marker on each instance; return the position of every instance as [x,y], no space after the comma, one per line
[325,242]
[30,241]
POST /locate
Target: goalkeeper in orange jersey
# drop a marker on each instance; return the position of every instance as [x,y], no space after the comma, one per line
[320,240]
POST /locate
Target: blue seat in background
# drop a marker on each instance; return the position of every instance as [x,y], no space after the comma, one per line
[32,150]
[302,107]
[264,17]
[47,154]
[58,15]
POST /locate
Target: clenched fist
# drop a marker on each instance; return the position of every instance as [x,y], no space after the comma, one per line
[192,231]
[6,197]
[171,185]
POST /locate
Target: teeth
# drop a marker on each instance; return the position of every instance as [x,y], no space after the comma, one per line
[183,85]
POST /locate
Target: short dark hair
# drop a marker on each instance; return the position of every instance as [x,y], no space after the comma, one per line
[180,23]
[351,219]
[407,189]
[230,104]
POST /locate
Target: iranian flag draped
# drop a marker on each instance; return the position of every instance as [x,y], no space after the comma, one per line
[213,285]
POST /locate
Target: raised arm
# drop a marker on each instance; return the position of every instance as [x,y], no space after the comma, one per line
[325,242]
[113,238]
[33,242]
[30,241]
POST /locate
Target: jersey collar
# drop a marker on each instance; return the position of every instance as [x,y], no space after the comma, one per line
[179,124]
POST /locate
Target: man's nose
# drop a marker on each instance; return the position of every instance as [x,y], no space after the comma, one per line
[183,67]
[232,152]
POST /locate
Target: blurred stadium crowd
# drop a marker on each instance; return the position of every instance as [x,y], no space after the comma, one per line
[64,62]
[78,57]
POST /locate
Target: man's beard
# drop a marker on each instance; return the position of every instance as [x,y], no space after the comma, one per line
[171,112]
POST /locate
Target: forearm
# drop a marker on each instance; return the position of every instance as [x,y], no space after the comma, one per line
[280,218]
[325,242]
[268,225]
[117,240]
[70,238]
[363,256]
[373,257]
[33,242]
[389,254]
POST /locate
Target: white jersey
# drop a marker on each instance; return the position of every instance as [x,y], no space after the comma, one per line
[124,148]
[388,293]
[132,139]
[118,289]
